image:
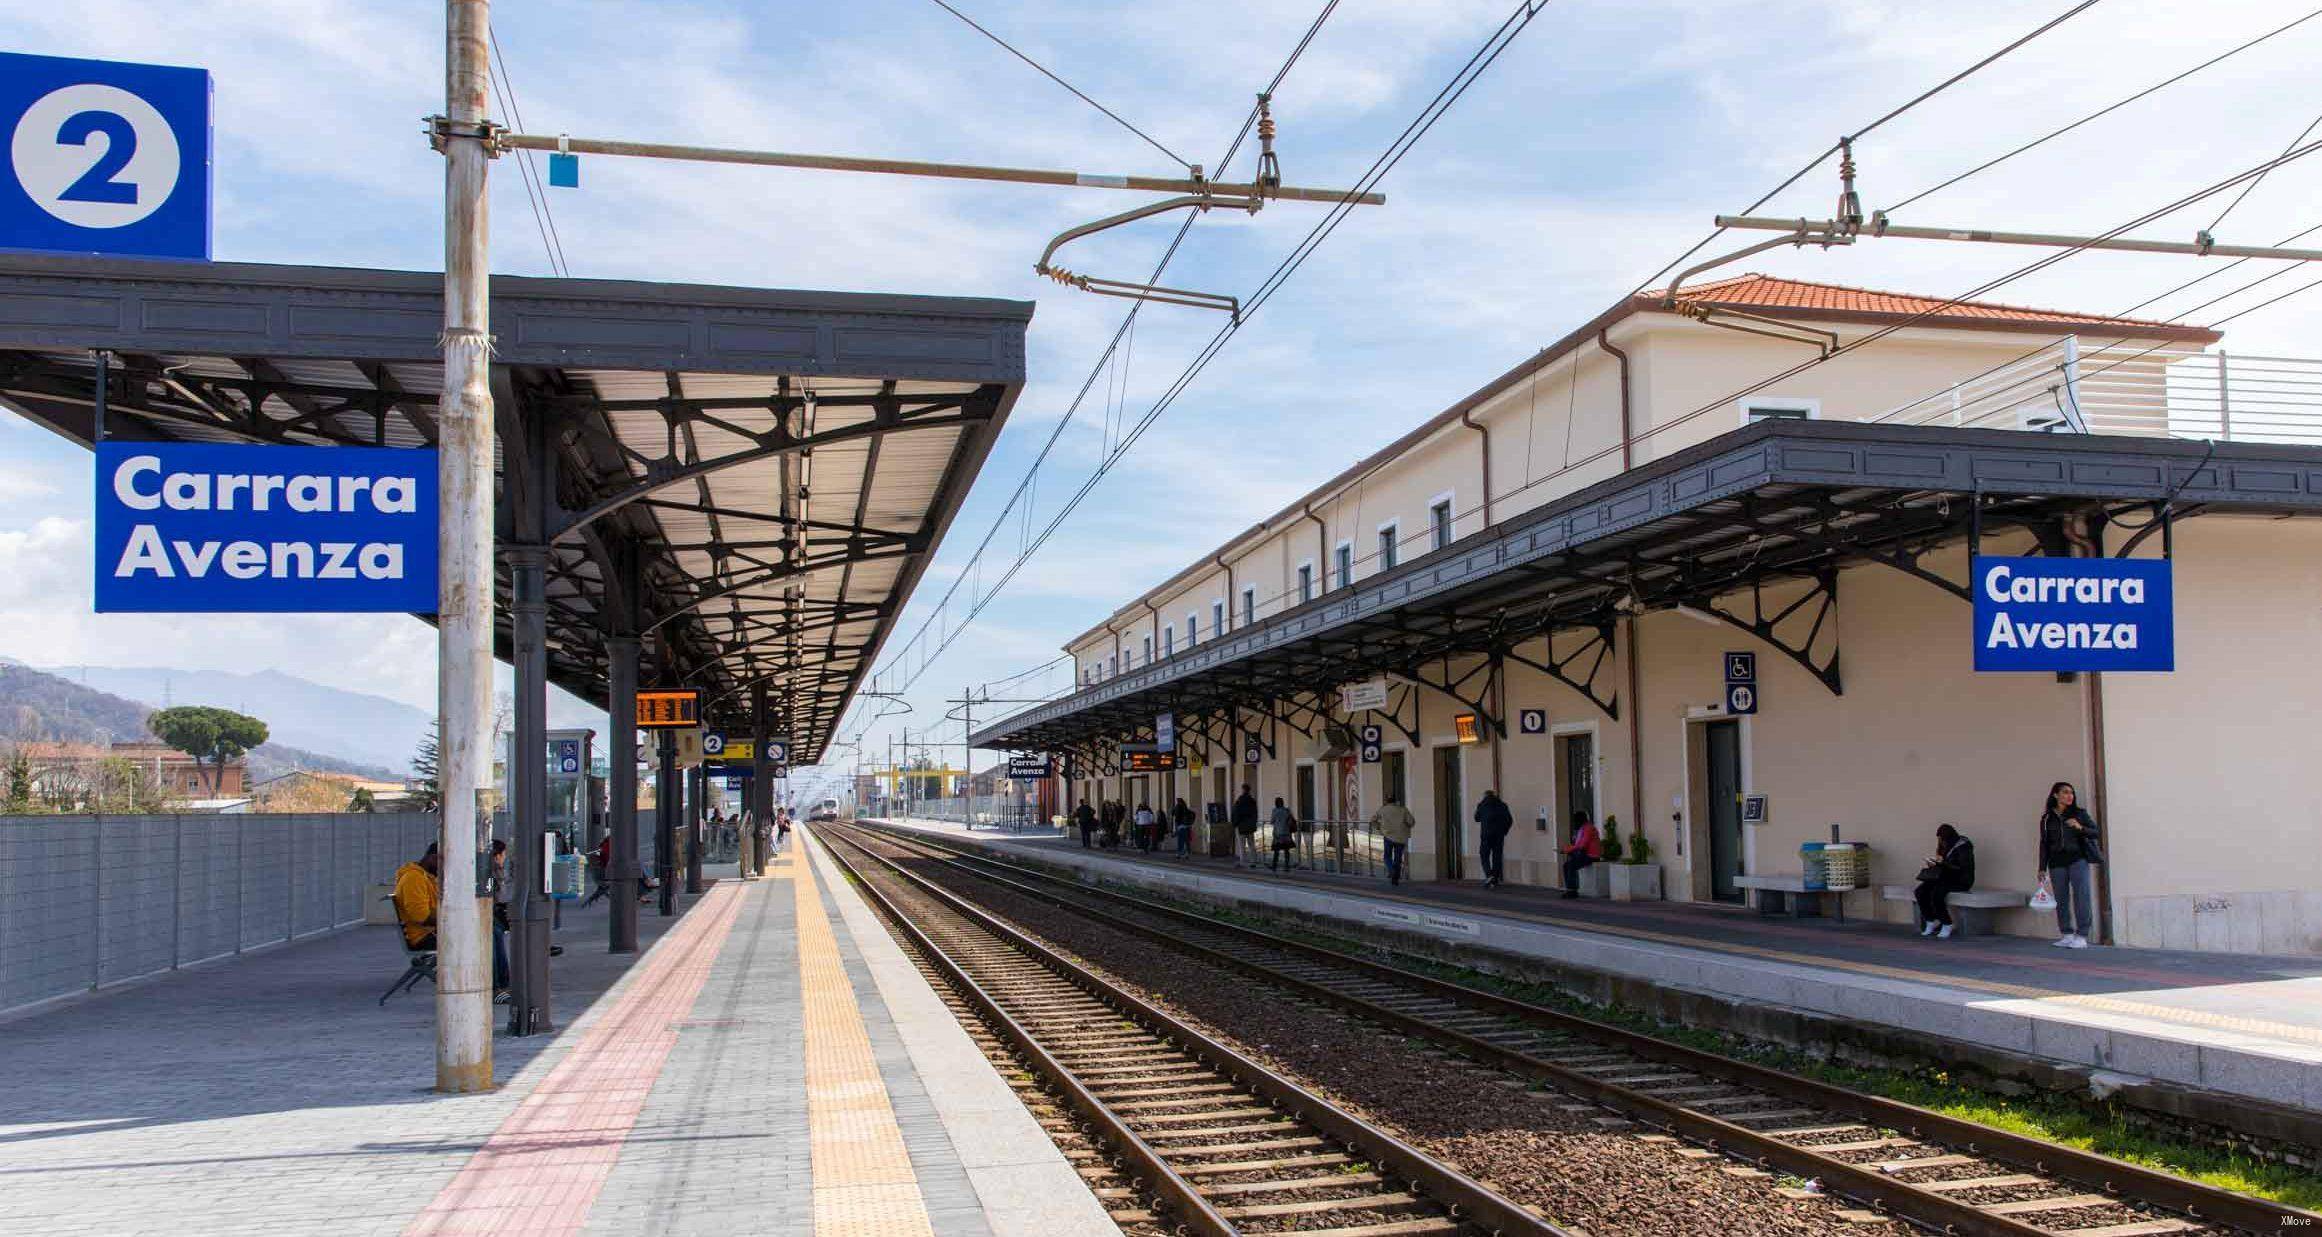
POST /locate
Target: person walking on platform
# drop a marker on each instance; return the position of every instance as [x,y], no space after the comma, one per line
[1587,847]
[1951,869]
[1084,819]
[1494,820]
[1394,823]
[1181,823]
[2070,846]
[1145,827]
[1285,825]
[1245,821]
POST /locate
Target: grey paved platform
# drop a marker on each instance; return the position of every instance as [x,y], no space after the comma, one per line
[271,1094]
[2234,1024]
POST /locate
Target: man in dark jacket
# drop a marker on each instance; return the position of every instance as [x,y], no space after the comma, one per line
[1245,821]
[1493,820]
[1084,818]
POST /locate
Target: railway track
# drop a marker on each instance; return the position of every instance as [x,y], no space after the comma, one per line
[1207,1140]
[1919,1166]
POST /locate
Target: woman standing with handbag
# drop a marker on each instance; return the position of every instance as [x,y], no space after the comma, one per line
[2070,846]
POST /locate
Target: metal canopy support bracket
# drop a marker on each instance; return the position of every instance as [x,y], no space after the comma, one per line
[1480,704]
[1598,649]
[1823,596]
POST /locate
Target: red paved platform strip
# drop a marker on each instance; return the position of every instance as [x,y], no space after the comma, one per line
[540,1173]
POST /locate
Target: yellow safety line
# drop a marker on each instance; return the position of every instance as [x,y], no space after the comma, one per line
[863,1180]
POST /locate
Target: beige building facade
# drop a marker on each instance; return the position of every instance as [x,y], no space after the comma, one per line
[1871,724]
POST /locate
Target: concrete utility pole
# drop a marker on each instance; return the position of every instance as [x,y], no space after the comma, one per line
[463,983]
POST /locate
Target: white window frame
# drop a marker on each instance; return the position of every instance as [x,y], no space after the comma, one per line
[1168,640]
[1304,574]
[1148,650]
[1192,628]
[1249,605]
[1220,622]
[1343,558]
[1390,551]
[1449,501]
[1810,408]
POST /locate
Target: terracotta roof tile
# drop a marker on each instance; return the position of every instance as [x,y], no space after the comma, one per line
[1756,291]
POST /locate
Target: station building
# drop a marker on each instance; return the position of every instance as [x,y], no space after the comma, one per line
[1538,589]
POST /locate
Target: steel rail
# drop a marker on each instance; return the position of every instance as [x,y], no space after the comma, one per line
[1176,1193]
[1466,1198]
[2132,1182]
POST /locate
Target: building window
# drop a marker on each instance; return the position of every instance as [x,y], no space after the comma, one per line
[1168,641]
[1778,408]
[1392,777]
[1192,630]
[1439,523]
[1249,606]
[1305,583]
[1112,665]
[1217,623]
[1345,563]
[1390,537]
[1148,650]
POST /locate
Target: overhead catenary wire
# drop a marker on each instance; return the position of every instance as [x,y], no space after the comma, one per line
[1029,482]
[2104,111]
[543,217]
[1076,91]
[2246,190]
[1487,53]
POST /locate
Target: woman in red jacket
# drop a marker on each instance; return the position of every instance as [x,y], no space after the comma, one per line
[1587,847]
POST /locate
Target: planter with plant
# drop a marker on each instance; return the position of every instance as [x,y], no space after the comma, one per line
[1632,876]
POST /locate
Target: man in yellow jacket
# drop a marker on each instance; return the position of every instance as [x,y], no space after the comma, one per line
[418,891]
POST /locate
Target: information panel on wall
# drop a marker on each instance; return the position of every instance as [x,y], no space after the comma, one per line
[2072,614]
[221,527]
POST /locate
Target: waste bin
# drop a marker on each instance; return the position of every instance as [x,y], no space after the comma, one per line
[1845,864]
[1814,863]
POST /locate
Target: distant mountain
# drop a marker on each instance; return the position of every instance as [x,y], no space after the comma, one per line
[35,705]
[378,732]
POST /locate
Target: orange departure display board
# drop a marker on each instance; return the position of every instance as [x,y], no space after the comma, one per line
[1464,726]
[668,710]
[1146,760]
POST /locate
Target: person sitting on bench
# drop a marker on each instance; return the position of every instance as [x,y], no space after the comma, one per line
[1951,869]
[418,895]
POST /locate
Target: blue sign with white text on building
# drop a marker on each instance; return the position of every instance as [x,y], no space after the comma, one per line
[105,157]
[2070,614]
[226,527]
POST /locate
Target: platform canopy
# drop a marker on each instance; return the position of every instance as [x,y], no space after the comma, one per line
[1784,503]
[751,480]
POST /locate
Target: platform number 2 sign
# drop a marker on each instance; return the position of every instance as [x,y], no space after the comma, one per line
[105,158]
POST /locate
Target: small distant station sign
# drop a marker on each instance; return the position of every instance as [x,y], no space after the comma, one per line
[2072,614]
[222,527]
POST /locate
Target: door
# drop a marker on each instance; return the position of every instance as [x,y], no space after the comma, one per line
[1305,792]
[1576,781]
[1448,818]
[1725,790]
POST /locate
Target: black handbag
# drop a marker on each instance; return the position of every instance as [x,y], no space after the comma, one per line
[1933,871]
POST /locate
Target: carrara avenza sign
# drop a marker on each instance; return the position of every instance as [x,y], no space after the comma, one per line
[233,527]
[2074,614]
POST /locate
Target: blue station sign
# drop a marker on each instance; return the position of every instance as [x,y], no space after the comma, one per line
[2062,614]
[222,527]
[104,157]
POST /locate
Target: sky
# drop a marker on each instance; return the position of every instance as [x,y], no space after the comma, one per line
[1596,149]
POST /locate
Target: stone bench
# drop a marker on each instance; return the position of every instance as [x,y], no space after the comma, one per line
[1971,910]
[1787,893]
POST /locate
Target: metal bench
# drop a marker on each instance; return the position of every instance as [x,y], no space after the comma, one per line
[418,964]
[1787,894]
[1970,910]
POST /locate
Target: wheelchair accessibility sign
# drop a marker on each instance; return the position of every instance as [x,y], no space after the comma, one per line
[105,158]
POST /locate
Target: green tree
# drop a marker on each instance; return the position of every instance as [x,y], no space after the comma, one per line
[211,735]
[18,773]
[364,800]
[427,786]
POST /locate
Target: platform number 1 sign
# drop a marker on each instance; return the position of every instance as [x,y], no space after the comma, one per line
[105,158]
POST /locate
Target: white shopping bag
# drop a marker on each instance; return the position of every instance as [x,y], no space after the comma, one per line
[2044,898]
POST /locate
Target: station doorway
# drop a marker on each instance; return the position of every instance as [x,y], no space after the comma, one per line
[1575,756]
[1717,786]
[1303,796]
[1448,796]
